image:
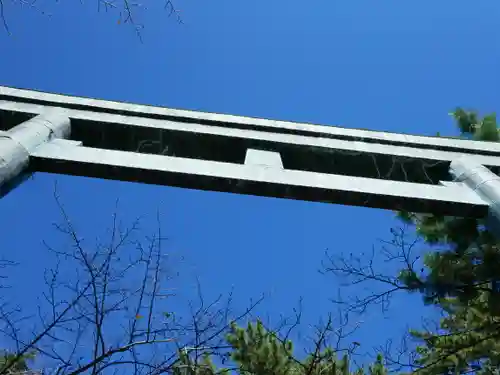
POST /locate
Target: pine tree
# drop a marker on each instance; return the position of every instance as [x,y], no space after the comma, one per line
[13,365]
[462,280]
[256,351]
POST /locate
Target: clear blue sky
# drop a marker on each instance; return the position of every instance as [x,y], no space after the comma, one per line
[384,65]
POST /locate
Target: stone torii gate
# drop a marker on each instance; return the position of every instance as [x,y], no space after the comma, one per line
[113,140]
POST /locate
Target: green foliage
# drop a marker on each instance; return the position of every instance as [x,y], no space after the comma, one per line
[186,366]
[469,344]
[11,364]
[256,351]
[466,120]
[462,278]
[487,129]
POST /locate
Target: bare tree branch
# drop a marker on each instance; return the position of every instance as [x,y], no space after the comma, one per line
[105,311]
[126,11]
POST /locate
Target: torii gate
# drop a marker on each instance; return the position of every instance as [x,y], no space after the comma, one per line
[113,140]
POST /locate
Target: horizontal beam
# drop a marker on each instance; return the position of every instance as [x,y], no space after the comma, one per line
[230,121]
[314,143]
[60,156]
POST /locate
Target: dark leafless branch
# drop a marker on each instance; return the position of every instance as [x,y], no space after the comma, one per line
[375,275]
[126,9]
[105,309]
[402,250]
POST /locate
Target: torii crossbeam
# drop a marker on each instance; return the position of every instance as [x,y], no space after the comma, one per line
[113,140]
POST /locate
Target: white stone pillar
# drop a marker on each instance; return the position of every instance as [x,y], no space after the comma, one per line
[17,143]
[484,182]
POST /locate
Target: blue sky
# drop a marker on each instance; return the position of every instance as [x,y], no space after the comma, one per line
[384,65]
